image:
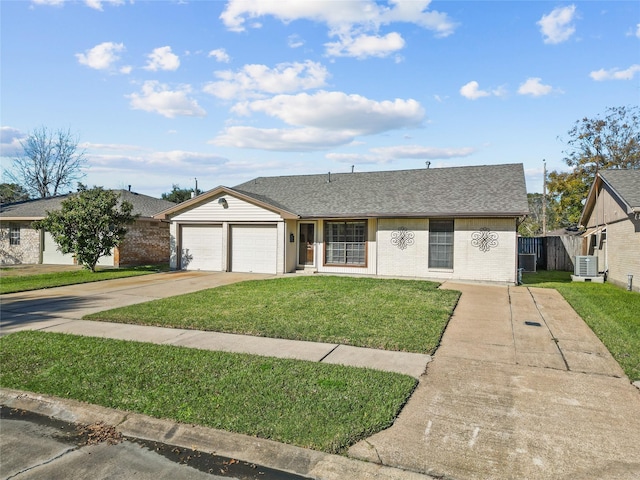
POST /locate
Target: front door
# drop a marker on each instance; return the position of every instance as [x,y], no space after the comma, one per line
[306,244]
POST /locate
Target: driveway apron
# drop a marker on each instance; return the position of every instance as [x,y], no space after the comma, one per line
[520,387]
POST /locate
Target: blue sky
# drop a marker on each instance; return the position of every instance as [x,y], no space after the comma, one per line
[163,92]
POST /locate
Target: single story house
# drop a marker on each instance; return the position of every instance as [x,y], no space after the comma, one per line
[611,216]
[441,223]
[146,242]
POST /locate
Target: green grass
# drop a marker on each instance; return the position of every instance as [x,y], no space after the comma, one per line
[612,313]
[402,315]
[312,405]
[21,283]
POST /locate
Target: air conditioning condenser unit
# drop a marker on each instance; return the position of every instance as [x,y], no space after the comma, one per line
[586,266]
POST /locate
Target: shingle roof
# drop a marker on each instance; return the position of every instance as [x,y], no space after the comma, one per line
[490,190]
[626,183]
[143,205]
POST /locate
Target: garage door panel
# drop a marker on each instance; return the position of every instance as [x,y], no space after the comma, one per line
[254,248]
[51,255]
[201,247]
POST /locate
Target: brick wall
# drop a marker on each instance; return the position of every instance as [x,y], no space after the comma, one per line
[29,249]
[146,242]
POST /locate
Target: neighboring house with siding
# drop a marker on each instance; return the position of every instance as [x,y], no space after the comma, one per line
[442,223]
[611,216]
[146,242]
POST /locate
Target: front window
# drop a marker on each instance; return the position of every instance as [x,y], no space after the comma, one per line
[14,235]
[345,242]
[441,244]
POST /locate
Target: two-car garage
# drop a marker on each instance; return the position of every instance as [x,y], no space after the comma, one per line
[250,248]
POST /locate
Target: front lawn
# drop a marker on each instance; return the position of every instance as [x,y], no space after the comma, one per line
[612,313]
[312,405]
[21,283]
[403,315]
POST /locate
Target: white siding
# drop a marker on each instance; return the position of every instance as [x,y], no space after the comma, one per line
[236,211]
[254,248]
[410,261]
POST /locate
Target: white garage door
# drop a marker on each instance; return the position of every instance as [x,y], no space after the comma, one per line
[201,247]
[254,248]
[51,255]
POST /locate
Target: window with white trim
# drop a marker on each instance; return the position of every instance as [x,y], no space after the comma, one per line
[441,244]
[14,235]
[345,242]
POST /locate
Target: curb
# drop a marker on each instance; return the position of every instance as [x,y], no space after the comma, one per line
[268,453]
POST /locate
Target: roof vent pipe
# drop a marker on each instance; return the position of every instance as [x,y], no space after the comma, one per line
[329,178]
[428,163]
[129,187]
[352,167]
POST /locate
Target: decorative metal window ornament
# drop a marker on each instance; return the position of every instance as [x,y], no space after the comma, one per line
[402,238]
[485,239]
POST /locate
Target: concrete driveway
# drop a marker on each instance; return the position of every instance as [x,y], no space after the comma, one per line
[46,307]
[520,388]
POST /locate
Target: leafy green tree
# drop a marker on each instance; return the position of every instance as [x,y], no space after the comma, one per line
[532,225]
[594,144]
[50,163]
[89,224]
[179,195]
[12,192]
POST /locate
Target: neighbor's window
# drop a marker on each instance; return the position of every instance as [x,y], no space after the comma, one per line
[345,242]
[440,243]
[14,235]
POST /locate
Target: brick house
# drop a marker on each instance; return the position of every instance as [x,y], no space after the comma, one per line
[441,223]
[146,242]
[611,216]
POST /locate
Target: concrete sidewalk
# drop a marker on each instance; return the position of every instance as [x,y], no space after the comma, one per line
[519,388]
[61,310]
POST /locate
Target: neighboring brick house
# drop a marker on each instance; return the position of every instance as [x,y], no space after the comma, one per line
[441,223]
[611,216]
[146,242]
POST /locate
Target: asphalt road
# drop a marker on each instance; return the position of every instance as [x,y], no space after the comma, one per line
[33,446]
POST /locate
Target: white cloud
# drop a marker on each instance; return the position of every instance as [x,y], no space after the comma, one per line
[364,46]
[338,111]
[255,80]
[97,4]
[422,152]
[388,154]
[157,98]
[472,91]
[287,140]
[557,26]
[534,87]
[220,54]
[162,59]
[320,121]
[638,30]
[356,24]
[10,139]
[615,73]
[126,70]
[294,41]
[102,56]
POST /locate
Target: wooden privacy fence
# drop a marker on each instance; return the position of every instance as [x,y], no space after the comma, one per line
[552,253]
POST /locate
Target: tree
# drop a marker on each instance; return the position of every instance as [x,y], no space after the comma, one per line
[532,225]
[12,192]
[89,224]
[50,162]
[594,144]
[179,195]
